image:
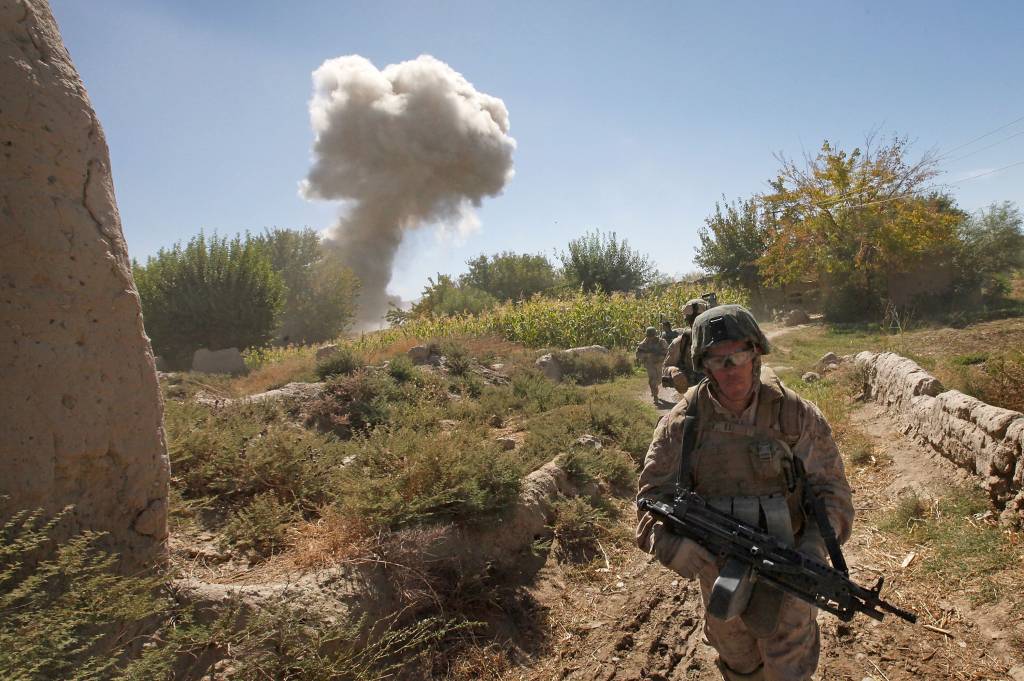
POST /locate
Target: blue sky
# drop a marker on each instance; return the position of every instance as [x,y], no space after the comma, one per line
[632,117]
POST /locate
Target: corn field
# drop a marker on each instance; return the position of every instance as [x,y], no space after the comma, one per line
[613,320]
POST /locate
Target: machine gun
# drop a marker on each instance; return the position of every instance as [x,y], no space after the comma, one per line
[783,567]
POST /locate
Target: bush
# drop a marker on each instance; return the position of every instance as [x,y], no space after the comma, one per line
[352,403]
[68,616]
[593,367]
[399,477]
[608,465]
[344,360]
[401,368]
[260,526]
[244,450]
[456,358]
[214,294]
[578,527]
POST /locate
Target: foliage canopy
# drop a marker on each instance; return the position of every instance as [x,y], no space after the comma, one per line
[322,292]
[211,293]
[601,262]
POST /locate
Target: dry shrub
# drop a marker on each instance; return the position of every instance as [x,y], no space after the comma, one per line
[350,404]
[331,539]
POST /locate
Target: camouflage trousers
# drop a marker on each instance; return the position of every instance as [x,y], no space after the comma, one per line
[791,654]
[653,377]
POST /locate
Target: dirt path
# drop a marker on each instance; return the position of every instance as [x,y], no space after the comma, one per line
[635,619]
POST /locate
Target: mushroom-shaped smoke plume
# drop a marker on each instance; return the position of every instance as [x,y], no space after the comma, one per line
[411,145]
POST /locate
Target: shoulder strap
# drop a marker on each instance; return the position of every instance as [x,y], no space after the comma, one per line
[690,427]
[817,509]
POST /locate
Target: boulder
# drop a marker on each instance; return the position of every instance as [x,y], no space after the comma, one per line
[419,354]
[810,377]
[506,442]
[796,317]
[549,366]
[227,361]
[79,403]
[827,360]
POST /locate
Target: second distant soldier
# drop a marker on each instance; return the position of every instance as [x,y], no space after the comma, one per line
[678,368]
[651,353]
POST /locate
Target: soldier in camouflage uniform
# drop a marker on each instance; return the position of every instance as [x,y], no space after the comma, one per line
[750,429]
[678,368]
[650,353]
[668,334]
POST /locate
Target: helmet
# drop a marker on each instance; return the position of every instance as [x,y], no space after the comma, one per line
[725,322]
[693,308]
[651,331]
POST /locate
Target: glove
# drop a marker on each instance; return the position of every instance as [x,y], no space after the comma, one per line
[682,555]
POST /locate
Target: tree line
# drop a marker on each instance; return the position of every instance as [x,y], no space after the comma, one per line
[860,225]
[596,261]
[281,286]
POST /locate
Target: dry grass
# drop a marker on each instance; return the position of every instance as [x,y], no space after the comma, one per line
[329,540]
[290,369]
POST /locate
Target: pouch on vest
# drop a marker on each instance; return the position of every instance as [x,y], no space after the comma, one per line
[731,591]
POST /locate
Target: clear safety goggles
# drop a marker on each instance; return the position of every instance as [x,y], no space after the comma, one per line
[736,359]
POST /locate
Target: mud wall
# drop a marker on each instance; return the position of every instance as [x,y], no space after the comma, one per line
[985,440]
[80,411]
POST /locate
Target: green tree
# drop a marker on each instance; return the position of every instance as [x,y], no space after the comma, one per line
[732,241]
[211,293]
[446,297]
[599,261]
[322,292]
[991,246]
[850,219]
[510,276]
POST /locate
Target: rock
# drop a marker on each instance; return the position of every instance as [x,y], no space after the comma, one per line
[796,317]
[419,354]
[496,421]
[549,367]
[227,361]
[829,359]
[810,377]
[498,366]
[507,443]
[590,441]
[326,352]
[79,403]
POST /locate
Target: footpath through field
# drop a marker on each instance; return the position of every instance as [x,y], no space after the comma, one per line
[634,619]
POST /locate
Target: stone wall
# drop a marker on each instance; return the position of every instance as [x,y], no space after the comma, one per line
[985,440]
[80,410]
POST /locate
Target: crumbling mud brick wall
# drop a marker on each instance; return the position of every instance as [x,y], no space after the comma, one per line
[985,440]
[80,411]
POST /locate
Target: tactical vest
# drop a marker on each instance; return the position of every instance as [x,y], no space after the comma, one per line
[685,363]
[748,471]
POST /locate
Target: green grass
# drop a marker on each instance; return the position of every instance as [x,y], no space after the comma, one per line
[964,549]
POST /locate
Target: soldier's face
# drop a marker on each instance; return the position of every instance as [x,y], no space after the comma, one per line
[734,380]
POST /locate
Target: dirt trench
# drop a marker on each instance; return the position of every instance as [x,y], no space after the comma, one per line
[637,620]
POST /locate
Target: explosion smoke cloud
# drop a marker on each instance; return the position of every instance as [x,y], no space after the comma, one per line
[410,145]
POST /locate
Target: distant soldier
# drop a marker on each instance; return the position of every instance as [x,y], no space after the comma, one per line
[651,353]
[678,371]
[668,334]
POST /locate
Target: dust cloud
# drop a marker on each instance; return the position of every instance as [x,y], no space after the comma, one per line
[411,145]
